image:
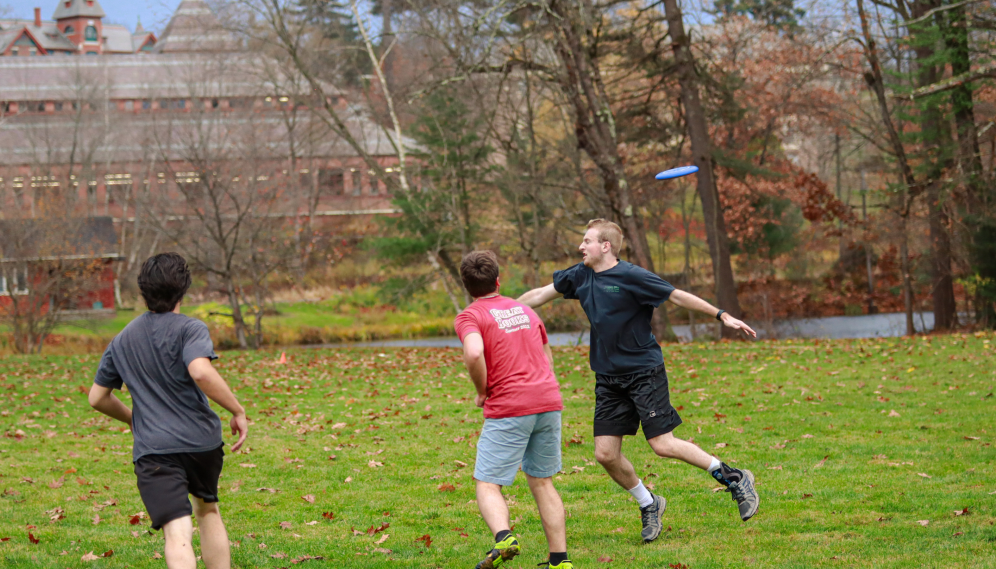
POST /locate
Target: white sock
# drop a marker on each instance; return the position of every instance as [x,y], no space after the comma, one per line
[643,496]
[714,464]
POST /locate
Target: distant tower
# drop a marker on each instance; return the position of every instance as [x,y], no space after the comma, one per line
[80,21]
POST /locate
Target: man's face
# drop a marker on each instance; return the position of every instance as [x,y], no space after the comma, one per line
[591,249]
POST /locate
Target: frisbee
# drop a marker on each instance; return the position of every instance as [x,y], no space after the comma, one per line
[677,172]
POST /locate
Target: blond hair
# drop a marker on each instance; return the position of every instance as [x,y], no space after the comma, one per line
[608,232]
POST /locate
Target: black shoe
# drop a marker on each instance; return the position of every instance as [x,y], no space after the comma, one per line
[745,495]
[651,518]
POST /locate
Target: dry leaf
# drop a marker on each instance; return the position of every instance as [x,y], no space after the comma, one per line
[57,483]
[285,525]
[374,464]
[605,559]
[89,557]
[383,538]
[247,465]
[820,463]
[720,445]
[309,498]
[446,487]
[893,413]
[924,475]
[923,522]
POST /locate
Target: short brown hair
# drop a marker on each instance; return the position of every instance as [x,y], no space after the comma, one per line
[608,231]
[479,272]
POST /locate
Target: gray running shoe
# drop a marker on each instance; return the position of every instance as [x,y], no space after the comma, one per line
[651,518]
[745,495]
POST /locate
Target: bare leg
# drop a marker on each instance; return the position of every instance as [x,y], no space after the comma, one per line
[608,453]
[493,508]
[669,446]
[179,546]
[551,510]
[214,537]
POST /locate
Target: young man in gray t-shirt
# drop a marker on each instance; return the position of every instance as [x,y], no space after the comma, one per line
[164,358]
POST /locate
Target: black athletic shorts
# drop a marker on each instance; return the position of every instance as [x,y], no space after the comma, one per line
[622,402]
[165,480]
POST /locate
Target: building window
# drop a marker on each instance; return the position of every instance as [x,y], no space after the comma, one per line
[91,53]
[181,104]
[90,34]
[18,283]
[14,52]
[146,104]
[330,181]
[357,182]
[129,105]
[304,179]
[32,51]
[69,30]
[58,106]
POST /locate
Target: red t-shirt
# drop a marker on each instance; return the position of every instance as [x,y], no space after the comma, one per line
[520,380]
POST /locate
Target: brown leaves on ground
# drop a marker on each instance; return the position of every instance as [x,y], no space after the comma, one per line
[34,540]
[328,515]
[374,530]
[605,559]
[91,557]
[822,462]
[57,483]
[963,512]
[446,487]
[309,498]
[383,538]
[136,519]
[247,465]
[923,522]
[56,514]
[426,540]
[285,525]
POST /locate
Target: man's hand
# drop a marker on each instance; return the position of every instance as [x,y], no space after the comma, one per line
[480,399]
[240,426]
[738,325]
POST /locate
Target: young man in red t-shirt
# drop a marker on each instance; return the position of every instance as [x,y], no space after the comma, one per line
[506,352]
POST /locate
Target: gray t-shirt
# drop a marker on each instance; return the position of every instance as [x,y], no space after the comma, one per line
[170,414]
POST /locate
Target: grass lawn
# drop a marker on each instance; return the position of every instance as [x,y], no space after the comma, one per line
[867,453]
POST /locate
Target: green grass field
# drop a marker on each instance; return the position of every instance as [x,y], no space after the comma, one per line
[867,453]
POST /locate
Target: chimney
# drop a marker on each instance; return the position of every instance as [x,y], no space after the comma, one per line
[37,17]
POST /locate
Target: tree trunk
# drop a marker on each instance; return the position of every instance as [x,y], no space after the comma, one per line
[904,263]
[237,320]
[936,134]
[698,132]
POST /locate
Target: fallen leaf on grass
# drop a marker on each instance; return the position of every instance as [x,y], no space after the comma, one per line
[971,438]
[270,490]
[309,498]
[923,522]
[779,467]
[89,557]
[446,488]
[382,550]
[247,465]
[304,558]
[279,555]
[425,539]
[820,463]
[963,512]
[285,525]
[374,464]
[32,538]
[804,496]
[605,559]
[328,515]
[311,523]
[157,555]
[57,483]
[96,519]
[957,533]
[4,539]
[677,566]
[721,445]
[375,530]
[338,426]
[617,530]
[460,463]
[383,538]
[892,413]
[348,479]
[925,475]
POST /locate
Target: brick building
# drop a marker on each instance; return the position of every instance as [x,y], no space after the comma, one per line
[90,129]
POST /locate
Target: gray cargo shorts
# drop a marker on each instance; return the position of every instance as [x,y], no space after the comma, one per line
[532,441]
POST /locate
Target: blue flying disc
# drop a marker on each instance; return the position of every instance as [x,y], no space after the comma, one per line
[677,172]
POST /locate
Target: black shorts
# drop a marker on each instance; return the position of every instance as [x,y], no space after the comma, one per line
[622,402]
[165,480]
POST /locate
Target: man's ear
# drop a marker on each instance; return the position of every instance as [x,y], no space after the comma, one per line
[497,283]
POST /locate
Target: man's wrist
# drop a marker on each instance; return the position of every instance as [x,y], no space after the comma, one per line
[719,315]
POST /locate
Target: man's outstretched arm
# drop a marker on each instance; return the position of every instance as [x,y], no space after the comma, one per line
[691,302]
[539,296]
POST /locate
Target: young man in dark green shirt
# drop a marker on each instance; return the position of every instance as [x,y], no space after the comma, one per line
[631,385]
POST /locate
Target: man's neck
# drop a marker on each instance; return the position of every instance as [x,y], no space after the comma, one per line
[605,264]
[492,295]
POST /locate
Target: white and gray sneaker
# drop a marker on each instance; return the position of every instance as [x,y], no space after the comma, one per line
[651,517]
[745,495]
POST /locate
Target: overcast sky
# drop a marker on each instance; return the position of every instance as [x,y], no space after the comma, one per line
[154,13]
